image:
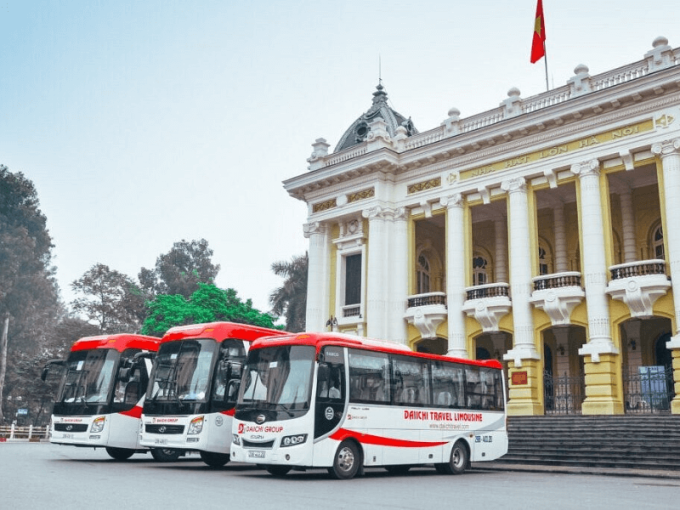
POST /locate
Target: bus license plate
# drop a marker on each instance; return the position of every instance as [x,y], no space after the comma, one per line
[256,454]
[68,436]
[160,441]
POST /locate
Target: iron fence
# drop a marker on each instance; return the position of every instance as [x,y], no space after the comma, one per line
[563,394]
[648,390]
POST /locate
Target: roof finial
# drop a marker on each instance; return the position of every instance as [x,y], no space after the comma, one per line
[379,69]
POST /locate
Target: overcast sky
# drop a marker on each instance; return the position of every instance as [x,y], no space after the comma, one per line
[142,123]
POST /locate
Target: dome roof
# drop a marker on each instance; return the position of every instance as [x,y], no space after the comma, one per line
[358,131]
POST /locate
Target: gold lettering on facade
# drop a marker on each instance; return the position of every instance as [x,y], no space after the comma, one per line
[588,142]
[627,131]
[554,151]
[522,160]
[572,146]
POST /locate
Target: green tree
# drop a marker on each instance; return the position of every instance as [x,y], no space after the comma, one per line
[207,304]
[290,300]
[180,270]
[28,290]
[109,299]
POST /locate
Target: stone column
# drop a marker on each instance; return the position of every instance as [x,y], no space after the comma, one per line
[397,275]
[455,273]
[669,152]
[376,269]
[561,257]
[317,276]
[524,366]
[628,226]
[501,233]
[601,360]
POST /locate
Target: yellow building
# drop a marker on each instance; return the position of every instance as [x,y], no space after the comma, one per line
[540,233]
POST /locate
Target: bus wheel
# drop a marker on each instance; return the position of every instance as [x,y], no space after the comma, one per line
[398,470]
[119,453]
[277,471]
[165,454]
[347,461]
[216,460]
[458,461]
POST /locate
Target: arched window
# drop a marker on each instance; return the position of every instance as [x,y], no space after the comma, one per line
[657,243]
[545,260]
[423,274]
[479,275]
[542,262]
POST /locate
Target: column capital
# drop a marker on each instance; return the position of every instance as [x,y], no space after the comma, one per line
[518,184]
[590,167]
[453,201]
[313,228]
[374,213]
[666,148]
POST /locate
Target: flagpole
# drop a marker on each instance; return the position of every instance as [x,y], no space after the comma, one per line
[545,57]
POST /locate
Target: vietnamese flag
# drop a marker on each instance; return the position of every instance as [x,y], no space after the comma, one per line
[538,45]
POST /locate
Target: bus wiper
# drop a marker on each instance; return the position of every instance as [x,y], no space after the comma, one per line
[287,410]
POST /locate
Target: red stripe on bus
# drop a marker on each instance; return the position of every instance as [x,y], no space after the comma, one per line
[230,412]
[343,434]
[135,412]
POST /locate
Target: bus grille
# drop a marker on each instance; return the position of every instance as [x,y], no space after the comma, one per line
[70,427]
[266,445]
[165,429]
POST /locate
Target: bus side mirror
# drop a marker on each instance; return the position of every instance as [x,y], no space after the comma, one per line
[233,371]
[48,365]
[124,374]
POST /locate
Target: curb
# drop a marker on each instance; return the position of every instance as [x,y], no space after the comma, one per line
[579,470]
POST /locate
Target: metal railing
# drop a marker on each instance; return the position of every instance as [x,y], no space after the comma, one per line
[16,433]
[563,394]
[557,280]
[431,298]
[351,311]
[641,268]
[648,390]
[488,291]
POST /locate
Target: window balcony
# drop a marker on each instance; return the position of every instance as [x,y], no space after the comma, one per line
[426,312]
[557,295]
[488,304]
[639,285]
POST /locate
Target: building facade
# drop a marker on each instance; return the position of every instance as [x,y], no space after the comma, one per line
[541,233]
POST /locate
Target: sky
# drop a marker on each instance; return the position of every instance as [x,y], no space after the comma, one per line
[145,123]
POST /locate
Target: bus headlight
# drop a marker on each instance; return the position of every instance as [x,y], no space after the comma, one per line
[196,425]
[236,439]
[293,440]
[98,424]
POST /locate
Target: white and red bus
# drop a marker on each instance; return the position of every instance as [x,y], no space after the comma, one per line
[100,398]
[344,403]
[193,388]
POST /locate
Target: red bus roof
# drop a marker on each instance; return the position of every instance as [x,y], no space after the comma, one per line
[118,342]
[219,331]
[320,340]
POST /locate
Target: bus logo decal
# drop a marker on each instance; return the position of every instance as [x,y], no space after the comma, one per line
[162,429]
[260,419]
[329,413]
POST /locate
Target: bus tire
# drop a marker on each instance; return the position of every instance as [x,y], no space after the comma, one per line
[119,453]
[458,461]
[277,471]
[400,469]
[165,454]
[215,460]
[347,461]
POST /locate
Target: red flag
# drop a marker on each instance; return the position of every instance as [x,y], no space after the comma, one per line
[538,45]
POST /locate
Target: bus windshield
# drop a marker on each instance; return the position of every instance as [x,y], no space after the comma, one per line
[182,371]
[278,378]
[89,375]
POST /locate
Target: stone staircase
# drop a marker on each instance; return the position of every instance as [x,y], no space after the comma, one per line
[632,442]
